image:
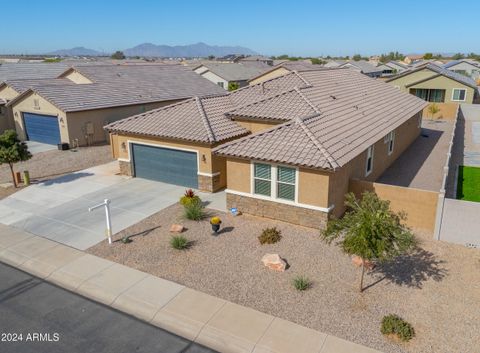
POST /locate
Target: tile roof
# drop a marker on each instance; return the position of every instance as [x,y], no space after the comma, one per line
[456,62]
[16,71]
[353,112]
[23,85]
[122,85]
[237,71]
[195,119]
[363,65]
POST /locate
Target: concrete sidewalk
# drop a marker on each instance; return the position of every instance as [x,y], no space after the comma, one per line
[210,321]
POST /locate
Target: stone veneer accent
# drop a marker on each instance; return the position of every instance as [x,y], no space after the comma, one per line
[125,168]
[209,184]
[275,210]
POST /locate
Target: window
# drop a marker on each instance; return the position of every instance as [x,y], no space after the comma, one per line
[286,183]
[369,162]
[459,94]
[262,179]
[390,141]
[221,84]
[429,95]
[274,181]
[36,103]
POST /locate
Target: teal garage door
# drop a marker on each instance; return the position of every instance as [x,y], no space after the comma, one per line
[166,165]
[42,128]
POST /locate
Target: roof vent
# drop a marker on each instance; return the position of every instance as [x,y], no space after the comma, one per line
[333,97]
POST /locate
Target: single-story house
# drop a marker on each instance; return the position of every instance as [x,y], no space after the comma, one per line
[334,63]
[464,67]
[86,98]
[411,58]
[223,74]
[284,148]
[255,59]
[397,67]
[438,85]
[283,68]
[364,67]
[24,71]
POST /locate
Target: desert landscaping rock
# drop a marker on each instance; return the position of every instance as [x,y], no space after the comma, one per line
[426,288]
[274,262]
[176,228]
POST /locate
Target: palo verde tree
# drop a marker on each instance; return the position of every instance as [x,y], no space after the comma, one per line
[12,150]
[370,230]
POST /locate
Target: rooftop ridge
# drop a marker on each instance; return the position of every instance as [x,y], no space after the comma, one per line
[333,163]
[308,84]
[206,122]
[313,106]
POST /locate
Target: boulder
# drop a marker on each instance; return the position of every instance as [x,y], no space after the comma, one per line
[357,261]
[176,228]
[274,262]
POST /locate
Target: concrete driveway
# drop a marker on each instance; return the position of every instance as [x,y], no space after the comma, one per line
[57,209]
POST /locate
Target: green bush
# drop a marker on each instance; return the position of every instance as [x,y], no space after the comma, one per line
[394,324]
[194,211]
[189,197]
[270,236]
[301,283]
[179,242]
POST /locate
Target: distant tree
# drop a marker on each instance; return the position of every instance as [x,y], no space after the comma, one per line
[12,151]
[232,86]
[118,55]
[52,60]
[357,57]
[370,230]
[428,56]
[282,57]
[392,56]
[317,61]
[211,57]
[458,56]
[433,109]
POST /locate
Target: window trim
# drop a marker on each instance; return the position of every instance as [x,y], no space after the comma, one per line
[262,179]
[370,154]
[273,188]
[459,100]
[390,141]
[278,182]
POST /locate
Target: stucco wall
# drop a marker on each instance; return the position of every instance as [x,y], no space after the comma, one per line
[215,79]
[8,93]
[420,206]
[238,174]
[77,77]
[255,126]
[447,111]
[26,105]
[6,116]
[269,75]
[405,134]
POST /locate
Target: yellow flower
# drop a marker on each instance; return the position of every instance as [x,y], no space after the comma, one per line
[215,220]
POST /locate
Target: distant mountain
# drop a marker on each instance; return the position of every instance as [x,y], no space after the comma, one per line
[77,51]
[185,51]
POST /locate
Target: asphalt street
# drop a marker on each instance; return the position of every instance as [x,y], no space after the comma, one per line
[39,317]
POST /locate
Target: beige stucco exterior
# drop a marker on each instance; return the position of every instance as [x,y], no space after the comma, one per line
[7,93]
[319,189]
[82,127]
[76,77]
[269,75]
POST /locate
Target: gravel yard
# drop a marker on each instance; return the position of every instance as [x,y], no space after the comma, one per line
[54,163]
[436,289]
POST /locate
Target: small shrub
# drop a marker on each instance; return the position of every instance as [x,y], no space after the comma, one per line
[393,324]
[270,236]
[194,211]
[301,283]
[189,197]
[179,242]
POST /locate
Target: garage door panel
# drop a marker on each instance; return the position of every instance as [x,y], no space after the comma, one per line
[166,165]
[42,128]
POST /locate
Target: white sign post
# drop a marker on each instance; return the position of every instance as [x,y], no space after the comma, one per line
[106,204]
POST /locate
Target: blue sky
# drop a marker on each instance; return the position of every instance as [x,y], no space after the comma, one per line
[294,27]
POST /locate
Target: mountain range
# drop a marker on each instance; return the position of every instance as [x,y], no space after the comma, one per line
[153,50]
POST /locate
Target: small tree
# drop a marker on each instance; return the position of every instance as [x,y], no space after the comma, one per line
[118,55]
[428,56]
[232,86]
[357,57]
[370,230]
[433,109]
[12,150]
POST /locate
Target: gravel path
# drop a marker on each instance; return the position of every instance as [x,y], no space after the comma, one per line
[437,289]
[51,164]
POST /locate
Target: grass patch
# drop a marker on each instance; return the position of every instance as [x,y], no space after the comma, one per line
[179,242]
[270,236]
[301,283]
[194,211]
[468,183]
[395,325]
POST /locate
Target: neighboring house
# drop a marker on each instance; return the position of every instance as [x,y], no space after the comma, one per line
[282,69]
[223,74]
[15,71]
[464,67]
[256,59]
[386,70]
[409,59]
[309,133]
[74,108]
[364,67]
[397,67]
[438,85]
[334,63]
